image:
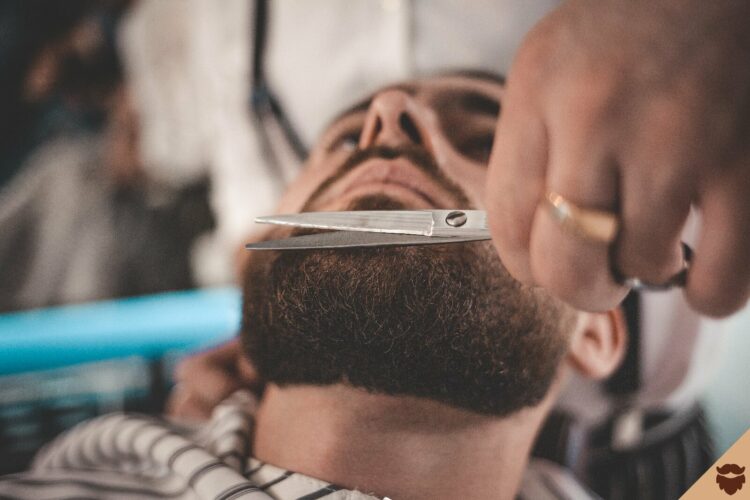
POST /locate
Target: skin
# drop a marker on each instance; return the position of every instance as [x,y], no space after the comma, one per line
[398,446]
[639,108]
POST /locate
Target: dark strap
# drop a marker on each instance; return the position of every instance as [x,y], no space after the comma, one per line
[259,40]
[263,98]
[627,379]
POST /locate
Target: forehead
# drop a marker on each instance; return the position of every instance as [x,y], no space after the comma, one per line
[437,90]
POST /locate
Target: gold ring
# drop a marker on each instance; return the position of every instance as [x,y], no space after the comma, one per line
[596,225]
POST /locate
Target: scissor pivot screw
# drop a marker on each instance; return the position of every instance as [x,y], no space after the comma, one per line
[455,219]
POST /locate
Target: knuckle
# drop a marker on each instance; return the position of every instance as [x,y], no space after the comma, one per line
[719,281]
[717,288]
[667,131]
[715,302]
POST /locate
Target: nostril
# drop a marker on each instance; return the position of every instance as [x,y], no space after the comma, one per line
[409,128]
[377,128]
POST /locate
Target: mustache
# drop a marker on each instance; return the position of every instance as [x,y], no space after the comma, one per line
[416,155]
[730,469]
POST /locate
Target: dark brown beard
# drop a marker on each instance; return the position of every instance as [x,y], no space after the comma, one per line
[443,322]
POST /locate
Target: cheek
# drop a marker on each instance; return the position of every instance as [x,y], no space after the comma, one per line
[293,198]
[469,176]
[300,189]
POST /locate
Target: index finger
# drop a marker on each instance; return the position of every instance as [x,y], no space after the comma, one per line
[516,182]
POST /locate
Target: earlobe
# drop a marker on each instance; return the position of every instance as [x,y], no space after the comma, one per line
[598,343]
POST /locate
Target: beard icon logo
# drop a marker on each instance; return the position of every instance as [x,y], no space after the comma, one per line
[730,478]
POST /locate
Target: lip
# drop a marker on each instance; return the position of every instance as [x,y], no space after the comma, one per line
[397,177]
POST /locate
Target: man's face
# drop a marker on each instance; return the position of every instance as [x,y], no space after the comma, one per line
[450,120]
[444,322]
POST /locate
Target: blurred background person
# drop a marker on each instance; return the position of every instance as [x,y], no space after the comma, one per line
[57,71]
[80,219]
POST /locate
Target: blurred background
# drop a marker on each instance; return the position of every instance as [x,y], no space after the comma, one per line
[82,219]
[138,139]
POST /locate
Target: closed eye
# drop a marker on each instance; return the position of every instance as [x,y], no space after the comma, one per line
[347,141]
[477,148]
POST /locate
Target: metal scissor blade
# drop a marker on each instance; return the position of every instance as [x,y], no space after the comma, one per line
[417,222]
[356,239]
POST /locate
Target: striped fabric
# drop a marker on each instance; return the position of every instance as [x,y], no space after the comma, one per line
[121,456]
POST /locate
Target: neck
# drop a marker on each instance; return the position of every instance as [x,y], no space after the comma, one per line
[395,446]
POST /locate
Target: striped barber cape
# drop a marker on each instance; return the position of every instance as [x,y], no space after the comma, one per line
[120,456]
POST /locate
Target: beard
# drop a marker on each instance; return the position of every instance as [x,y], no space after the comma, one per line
[444,322]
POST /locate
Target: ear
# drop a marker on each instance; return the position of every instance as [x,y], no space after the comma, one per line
[598,343]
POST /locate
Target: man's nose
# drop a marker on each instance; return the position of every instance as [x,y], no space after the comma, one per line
[392,120]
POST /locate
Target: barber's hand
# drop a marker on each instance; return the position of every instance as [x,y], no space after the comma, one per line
[642,108]
[205,379]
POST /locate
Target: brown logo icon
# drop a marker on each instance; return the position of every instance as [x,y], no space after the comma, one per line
[730,484]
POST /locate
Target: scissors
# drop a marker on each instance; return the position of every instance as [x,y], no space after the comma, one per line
[384,228]
[377,228]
